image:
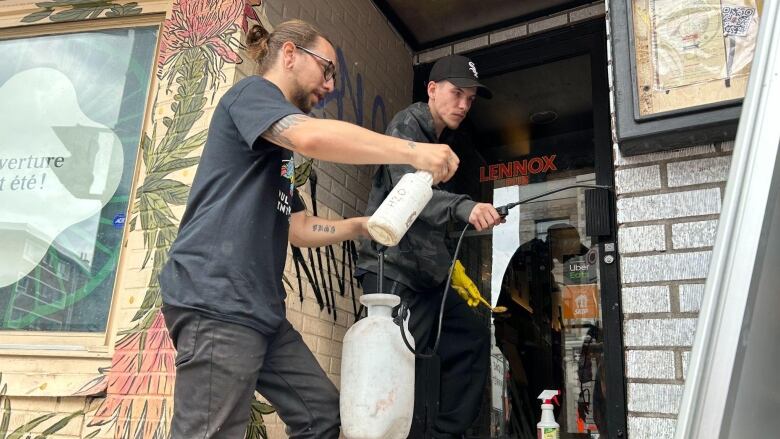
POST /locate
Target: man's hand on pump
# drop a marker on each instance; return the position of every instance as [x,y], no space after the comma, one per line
[484,216]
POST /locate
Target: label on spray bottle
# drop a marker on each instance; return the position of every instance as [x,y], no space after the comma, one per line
[547,433]
[399,210]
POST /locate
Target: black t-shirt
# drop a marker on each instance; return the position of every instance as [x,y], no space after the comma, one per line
[228,258]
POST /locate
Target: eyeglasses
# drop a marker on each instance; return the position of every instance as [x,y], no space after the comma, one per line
[330,69]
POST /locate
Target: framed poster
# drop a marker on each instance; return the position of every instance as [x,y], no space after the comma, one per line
[681,70]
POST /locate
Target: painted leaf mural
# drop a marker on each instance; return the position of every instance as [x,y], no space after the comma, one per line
[198,40]
[77,10]
[132,397]
[25,430]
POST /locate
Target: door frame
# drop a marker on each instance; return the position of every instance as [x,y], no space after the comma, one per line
[585,38]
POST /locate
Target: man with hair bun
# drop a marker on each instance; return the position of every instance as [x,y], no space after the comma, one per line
[223,298]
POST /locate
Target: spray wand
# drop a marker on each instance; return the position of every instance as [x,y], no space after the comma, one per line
[400,209]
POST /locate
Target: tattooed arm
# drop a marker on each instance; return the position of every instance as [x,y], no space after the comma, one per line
[343,142]
[312,231]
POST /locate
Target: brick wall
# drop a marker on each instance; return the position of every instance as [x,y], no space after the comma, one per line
[667,209]
[374,82]
[668,206]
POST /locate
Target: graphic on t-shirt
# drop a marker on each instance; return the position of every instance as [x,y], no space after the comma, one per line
[288,169]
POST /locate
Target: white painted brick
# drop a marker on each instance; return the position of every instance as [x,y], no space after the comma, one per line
[666,267]
[642,239]
[659,332]
[596,10]
[668,206]
[651,428]
[472,44]
[707,170]
[621,160]
[695,234]
[654,398]
[690,297]
[638,179]
[508,34]
[646,299]
[650,364]
[548,23]
[686,359]
[433,55]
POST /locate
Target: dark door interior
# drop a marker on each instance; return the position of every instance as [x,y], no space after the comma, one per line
[547,127]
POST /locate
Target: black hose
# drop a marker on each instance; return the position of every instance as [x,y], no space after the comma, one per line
[403,310]
[503,211]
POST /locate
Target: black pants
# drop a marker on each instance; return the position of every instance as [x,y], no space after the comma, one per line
[219,366]
[464,352]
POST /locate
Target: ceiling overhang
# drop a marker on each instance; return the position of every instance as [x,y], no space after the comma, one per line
[429,23]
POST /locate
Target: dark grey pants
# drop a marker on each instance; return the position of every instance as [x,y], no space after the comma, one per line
[219,365]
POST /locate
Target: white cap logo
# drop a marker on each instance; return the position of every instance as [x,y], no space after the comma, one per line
[473,69]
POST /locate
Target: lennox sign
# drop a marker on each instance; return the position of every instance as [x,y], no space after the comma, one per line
[518,169]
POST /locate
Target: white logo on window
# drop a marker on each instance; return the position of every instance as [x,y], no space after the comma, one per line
[473,69]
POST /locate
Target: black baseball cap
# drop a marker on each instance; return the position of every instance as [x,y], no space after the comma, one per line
[460,71]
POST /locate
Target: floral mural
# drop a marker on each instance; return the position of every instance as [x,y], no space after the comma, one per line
[132,398]
[25,430]
[199,37]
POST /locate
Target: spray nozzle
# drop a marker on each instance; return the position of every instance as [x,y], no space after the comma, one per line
[503,211]
[549,396]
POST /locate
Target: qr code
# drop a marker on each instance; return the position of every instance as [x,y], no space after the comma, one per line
[736,20]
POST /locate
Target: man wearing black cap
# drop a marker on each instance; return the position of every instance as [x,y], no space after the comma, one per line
[417,268]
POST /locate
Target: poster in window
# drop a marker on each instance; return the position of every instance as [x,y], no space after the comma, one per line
[692,53]
[72,107]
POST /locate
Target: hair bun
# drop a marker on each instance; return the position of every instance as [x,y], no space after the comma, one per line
[256,34]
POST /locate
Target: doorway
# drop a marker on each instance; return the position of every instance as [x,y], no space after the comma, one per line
[547,127]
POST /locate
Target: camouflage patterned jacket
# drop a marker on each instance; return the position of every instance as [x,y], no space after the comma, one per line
[421,260]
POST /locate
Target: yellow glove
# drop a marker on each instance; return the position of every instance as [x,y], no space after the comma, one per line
[464,286]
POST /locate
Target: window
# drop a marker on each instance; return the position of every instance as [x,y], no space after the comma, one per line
[543,225]
[73,107]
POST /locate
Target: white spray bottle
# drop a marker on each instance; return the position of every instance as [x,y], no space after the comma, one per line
[547,428]
[377,375]
[401,207]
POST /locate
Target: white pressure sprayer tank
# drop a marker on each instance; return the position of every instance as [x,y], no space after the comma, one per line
[401,207]
[377,375]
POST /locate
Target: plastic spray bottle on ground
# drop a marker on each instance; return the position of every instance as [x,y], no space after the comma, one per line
[547,428]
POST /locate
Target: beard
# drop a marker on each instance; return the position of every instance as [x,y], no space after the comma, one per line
[301,99]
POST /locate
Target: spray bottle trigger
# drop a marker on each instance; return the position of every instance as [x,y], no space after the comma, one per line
[550,395]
